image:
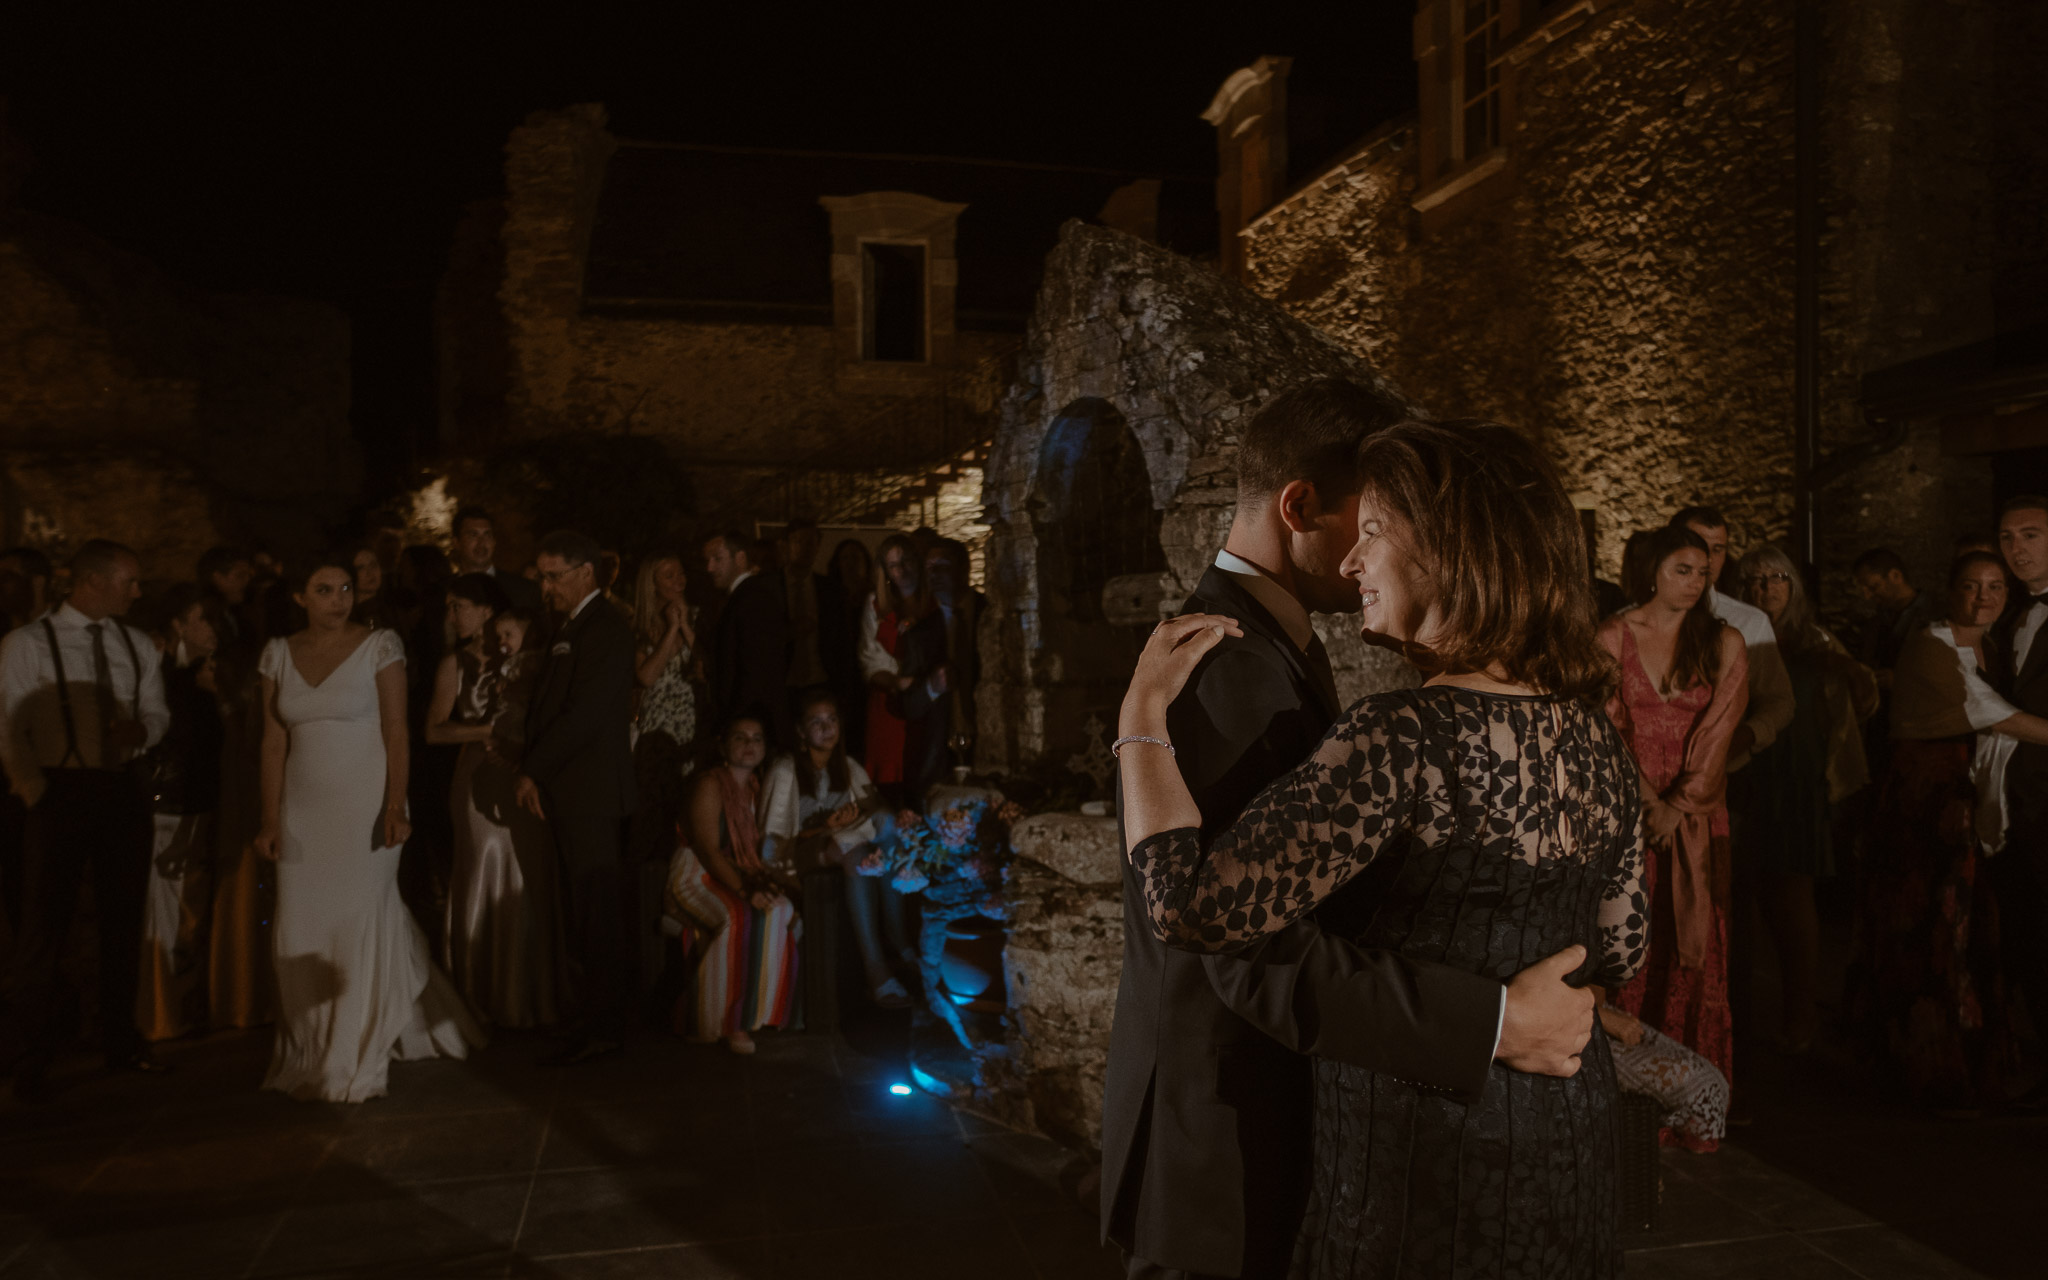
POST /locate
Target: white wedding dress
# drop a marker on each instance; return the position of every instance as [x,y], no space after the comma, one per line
[355,986]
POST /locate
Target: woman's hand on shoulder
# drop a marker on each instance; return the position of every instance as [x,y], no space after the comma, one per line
[1175,648]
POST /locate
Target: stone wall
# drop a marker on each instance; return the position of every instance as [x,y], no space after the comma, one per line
[1625,290]
[1129,345]
[134,408]
[1062,963]
[1628,299]
[767,402]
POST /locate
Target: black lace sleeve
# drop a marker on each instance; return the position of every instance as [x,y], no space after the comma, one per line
[1300,840]
[1624,908]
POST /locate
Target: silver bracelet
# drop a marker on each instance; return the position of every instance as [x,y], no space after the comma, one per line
[1116,748]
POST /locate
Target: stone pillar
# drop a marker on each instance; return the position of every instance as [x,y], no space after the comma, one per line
[1250,116]
[554,171]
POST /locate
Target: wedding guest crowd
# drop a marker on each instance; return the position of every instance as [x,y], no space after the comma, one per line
[514,746]
[1775,757]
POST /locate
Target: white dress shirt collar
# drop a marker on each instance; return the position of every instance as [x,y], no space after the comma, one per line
[738,580]
[584,601]
[1276,599]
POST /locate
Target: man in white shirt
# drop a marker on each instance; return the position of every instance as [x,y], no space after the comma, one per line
[1770,711]
[81,696]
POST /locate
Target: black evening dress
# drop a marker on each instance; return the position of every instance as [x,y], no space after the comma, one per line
[1483,831]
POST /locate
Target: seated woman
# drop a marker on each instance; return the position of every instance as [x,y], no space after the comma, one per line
[820,809]
[1927,988]
[745,957]
[1684,684]
[1488,820]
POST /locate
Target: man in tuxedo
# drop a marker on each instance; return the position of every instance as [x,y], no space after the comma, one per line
[2020,872]
[476,551]
[577,774]
[1207,1101]
[750,649]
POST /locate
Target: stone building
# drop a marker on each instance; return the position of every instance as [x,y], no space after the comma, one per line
[806,333]
[1112,481]
[137,409]
[1608,223]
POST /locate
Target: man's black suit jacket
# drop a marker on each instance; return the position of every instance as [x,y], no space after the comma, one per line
[577,743]
[2026,777]
[750,654]
[1206,1104]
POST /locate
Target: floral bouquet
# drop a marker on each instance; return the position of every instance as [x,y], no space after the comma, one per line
[954,849]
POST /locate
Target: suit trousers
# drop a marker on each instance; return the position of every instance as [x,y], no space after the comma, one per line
[2019,876]
[96,820]
[592,848]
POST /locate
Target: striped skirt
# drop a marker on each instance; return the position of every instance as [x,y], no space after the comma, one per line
[743,961]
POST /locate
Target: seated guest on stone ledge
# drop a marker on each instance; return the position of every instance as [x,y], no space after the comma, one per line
[745,955]
[1691,1090]
[1927,990]
[1501,772]
[820,809]
[1684,684]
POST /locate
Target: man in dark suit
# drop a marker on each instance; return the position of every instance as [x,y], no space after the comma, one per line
[476,551]
[2021,869]
[1207,1100]
[750,649]
[577,774]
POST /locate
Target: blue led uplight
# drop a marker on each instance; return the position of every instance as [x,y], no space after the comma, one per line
[900,1090]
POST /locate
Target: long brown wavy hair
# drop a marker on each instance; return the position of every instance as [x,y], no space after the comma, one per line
[1697,656]
[1497,533]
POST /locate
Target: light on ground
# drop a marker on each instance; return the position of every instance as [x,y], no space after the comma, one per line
[900,1090]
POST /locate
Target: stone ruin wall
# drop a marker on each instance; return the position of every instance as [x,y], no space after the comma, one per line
[1629,299]
[1183,356]
[136,409]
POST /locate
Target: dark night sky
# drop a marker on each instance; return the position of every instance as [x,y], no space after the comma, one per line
[325,150]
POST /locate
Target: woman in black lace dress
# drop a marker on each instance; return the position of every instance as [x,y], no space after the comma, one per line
[1487,820]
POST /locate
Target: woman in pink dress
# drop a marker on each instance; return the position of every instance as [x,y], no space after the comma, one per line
[1684,685]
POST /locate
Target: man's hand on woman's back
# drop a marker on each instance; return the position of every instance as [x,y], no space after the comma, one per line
[1546,1024]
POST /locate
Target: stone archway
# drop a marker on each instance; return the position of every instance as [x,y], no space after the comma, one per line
[1094,523]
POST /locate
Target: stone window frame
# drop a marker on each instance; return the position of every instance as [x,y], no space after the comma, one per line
[1449,180]
[893,217]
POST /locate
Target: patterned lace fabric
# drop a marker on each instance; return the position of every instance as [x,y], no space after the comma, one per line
[1692,1090]
[1474,830]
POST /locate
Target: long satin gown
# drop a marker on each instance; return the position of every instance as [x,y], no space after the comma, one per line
[503,935]
[356,987]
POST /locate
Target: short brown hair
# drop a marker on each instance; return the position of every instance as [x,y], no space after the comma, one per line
[1496,530]
[1311,433]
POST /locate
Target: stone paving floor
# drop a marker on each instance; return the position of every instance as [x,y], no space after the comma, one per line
[683,1161]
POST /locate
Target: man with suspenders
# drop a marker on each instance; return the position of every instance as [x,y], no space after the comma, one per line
[81,698]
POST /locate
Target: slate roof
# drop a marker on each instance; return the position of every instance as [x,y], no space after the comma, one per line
[738,234]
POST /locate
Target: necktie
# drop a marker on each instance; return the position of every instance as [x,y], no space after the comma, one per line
[1319,671]
[103,693]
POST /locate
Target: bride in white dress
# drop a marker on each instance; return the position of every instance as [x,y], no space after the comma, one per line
[356,988]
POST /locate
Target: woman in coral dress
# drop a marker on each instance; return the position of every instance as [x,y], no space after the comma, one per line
[1684,685]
